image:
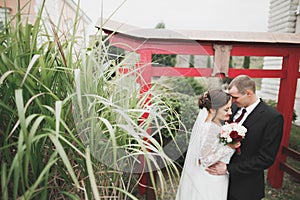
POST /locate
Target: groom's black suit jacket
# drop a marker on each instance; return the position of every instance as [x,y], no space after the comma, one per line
[258,152]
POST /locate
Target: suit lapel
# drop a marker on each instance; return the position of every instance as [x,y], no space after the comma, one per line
[255,114]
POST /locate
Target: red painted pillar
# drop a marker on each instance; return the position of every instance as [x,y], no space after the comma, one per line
[145,71]
[287,92]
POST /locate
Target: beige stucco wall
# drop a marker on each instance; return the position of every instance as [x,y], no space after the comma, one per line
[13,6]
[61,12]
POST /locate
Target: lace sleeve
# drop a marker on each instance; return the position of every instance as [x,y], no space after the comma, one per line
[211,150]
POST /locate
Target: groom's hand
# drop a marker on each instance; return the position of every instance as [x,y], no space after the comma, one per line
[218,168]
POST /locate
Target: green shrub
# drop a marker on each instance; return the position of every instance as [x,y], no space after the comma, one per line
[181,95]
[294,141]
[273,103]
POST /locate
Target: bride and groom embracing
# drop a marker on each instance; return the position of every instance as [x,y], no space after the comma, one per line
[214,171]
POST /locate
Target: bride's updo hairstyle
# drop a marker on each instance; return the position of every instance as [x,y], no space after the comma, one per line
[213,98]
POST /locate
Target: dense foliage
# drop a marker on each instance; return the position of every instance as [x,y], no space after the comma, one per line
[71,125]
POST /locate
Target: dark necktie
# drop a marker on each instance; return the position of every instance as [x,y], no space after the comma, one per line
[241,116]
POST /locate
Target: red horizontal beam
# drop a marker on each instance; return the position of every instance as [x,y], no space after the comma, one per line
[181,71]
[161,47]
[206,72]
[253,49]
[178,49]
[258,73]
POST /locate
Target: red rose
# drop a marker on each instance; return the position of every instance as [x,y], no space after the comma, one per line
[234,134]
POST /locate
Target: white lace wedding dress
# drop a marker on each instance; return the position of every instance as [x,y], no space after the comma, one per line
[195,182]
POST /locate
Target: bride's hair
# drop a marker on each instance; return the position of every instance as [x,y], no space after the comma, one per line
[213,98]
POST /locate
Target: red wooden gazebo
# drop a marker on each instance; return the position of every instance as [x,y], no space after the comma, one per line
[221,45]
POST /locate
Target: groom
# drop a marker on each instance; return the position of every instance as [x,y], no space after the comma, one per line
[259,149]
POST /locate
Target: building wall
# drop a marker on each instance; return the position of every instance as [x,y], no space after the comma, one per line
[283,17]
[13,6]
[61,12]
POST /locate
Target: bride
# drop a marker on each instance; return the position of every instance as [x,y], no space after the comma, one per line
[205,149]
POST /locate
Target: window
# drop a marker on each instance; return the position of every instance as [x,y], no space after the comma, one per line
[3,12]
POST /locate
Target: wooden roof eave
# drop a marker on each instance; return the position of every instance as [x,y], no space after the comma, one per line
[199,35]
[137,38]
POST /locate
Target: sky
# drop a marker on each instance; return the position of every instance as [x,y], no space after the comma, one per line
[218,15]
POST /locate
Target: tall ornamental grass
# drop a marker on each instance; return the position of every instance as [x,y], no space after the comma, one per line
[72,126]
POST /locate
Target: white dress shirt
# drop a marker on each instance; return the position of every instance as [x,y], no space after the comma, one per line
[249,109]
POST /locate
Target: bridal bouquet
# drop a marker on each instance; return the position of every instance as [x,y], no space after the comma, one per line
[232,133]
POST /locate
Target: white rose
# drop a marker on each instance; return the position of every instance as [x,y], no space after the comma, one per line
[229,139]
[240,129]
[226,129]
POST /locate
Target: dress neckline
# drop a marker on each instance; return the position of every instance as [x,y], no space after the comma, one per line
[212,122]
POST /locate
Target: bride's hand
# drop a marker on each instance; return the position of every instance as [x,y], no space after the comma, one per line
[234,146]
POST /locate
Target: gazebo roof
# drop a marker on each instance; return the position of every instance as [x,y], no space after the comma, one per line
[110,26]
